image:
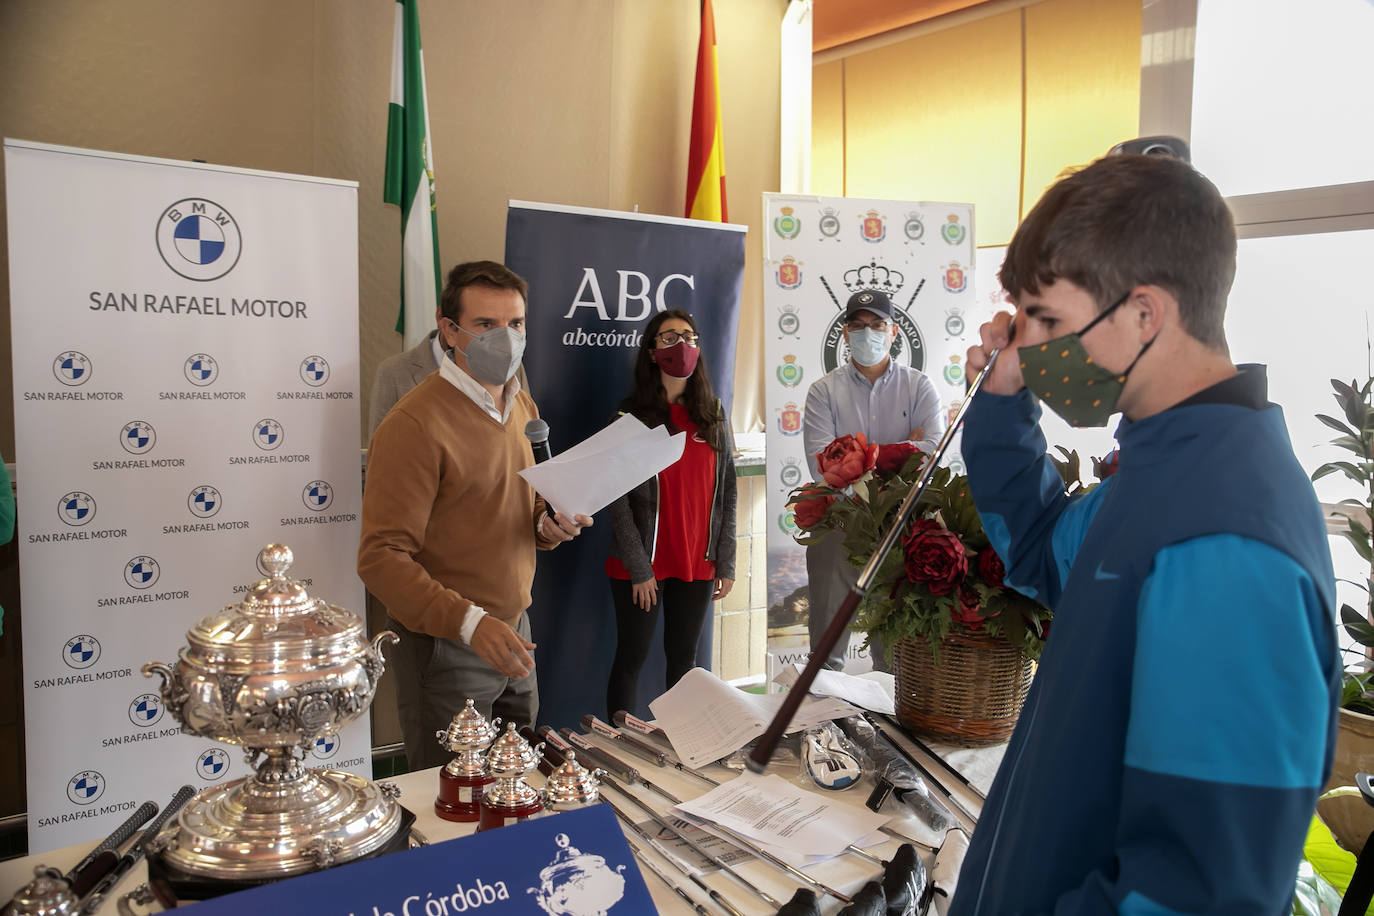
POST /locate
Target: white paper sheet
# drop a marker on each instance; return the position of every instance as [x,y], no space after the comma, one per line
[857,690]
[773,811]
[592,474]
[706,719]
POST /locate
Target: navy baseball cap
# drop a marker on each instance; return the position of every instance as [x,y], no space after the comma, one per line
[869,300]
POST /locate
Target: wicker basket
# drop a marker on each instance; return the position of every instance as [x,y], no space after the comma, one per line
[971,698]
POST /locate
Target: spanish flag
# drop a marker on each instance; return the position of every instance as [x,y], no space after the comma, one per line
[706,158]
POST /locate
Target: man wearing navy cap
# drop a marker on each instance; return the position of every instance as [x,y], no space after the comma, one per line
[887,402]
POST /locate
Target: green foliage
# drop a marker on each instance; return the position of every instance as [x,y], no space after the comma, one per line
[1326,870]
[896,606]
[1355,429]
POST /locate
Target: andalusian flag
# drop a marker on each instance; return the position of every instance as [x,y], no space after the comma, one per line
[410,178]
[706,158]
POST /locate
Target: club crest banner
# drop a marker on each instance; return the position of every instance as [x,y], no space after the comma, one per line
[596,277]
[819,251]
[185,392]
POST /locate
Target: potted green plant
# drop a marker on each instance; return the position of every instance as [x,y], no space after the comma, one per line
[1352,822]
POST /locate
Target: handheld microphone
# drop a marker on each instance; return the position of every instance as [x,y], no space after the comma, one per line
[537,431]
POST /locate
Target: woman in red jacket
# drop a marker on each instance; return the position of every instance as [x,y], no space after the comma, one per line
[673,536]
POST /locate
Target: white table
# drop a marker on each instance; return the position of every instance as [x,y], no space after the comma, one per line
[846,873]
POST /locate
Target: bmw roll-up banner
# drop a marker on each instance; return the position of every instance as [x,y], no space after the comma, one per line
[596,277]
[817,252]
[185,392]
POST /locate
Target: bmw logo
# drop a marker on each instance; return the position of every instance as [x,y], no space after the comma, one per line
[72,368]
[76,508]
[142,572]
[317,495]
[314,371]
[198,239]
[201,369]
[146,710]
[203,501]
[267,434]
[81,651]
[326,746]
[212,764]
[85,787]
[138,437]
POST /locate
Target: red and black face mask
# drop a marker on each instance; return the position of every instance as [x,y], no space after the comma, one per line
[678,361]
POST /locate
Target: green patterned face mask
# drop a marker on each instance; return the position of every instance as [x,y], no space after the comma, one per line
[1061,374]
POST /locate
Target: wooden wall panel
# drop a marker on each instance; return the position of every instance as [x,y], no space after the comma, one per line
[938,117]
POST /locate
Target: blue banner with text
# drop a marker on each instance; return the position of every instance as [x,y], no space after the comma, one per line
[576,863]
[596,277]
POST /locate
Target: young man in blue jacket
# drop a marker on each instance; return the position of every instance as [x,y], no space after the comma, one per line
[1183,716]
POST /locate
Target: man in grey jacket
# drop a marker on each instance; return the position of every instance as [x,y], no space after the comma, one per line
[402,372]
[887,402]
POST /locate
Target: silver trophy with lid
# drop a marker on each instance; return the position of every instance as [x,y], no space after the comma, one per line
[273,674]
[462,780]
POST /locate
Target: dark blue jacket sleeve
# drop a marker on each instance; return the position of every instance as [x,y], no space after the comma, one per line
[1227,737]
[1033,525]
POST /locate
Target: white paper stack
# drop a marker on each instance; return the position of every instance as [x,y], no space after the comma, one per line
[799,826]
[595,472]
[857,690]
[707,719]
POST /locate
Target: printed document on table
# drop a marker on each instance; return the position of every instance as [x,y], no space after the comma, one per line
[876,838]
[771,810]
[857,690]
[597,471]
[707,719]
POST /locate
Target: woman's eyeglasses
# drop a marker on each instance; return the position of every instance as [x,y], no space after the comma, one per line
[670,338]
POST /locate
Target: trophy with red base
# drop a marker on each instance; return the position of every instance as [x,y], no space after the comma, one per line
[509,799]
[461,782]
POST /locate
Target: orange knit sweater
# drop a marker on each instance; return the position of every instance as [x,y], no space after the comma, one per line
[447,522]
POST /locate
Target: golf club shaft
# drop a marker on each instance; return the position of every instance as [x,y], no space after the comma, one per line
[672,860]
[675,888]
[552,755]
[768,742]
[741,840]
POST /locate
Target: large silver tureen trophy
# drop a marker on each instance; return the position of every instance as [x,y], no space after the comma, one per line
[273,674]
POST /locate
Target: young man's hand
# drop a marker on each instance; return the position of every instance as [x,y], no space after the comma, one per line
[1006,375]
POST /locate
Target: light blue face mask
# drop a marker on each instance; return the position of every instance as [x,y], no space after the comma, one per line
[868,347]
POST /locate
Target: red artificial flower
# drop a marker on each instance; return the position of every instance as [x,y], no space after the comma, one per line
[892,458]
[846,460]
[991,568]
[810,507]
[935,557]
[969,609]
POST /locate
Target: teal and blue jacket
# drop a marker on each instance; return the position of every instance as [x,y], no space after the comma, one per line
[1183,717]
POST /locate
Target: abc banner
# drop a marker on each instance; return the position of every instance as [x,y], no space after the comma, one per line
[596,278]
[185,392]
[817,252]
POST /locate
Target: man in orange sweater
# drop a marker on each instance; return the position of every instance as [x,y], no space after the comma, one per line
[449,529]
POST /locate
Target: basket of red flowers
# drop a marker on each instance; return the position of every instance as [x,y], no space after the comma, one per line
[962,641]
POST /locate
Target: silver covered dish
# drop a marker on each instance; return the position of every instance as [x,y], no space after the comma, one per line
[572,785]
[273,674]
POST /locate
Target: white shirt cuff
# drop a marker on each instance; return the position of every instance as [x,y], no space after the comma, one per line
[470,621]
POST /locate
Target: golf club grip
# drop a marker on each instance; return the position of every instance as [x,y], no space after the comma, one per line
[768,742]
